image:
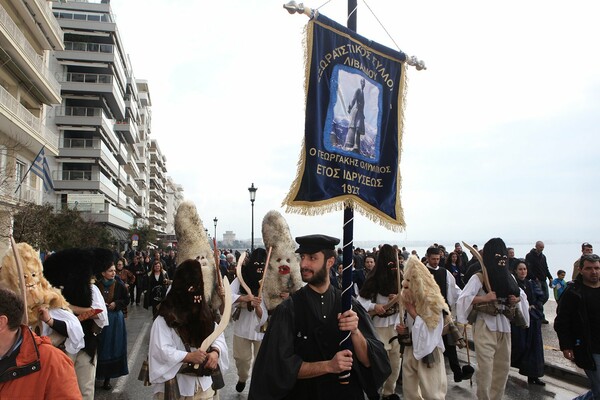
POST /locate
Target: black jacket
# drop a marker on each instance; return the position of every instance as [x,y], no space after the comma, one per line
[538,266]
[572,326]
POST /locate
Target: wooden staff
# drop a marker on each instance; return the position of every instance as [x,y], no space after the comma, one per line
[262,281]
[217,264]
[238,272]
[225,317]
[486,279]
[21,278]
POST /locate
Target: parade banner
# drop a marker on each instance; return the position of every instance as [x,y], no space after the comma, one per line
[353,128]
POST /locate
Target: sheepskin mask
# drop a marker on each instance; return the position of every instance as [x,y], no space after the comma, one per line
[419,288]
[39,292]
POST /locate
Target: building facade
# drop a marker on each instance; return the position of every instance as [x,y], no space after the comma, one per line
[29,34]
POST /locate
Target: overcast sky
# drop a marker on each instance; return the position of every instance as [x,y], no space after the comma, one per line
[501,131]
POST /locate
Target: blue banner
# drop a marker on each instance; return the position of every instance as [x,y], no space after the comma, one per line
[353,127]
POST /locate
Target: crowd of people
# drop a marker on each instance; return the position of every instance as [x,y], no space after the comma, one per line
[397,326]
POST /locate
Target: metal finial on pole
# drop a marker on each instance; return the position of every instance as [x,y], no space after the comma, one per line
[292,7]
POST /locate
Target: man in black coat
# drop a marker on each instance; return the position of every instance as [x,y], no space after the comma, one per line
[577,322]
[538,269]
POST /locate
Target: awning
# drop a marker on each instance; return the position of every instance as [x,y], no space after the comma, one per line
[118,234]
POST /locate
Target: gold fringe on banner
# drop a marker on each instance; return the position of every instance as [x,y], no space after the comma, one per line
[312,208]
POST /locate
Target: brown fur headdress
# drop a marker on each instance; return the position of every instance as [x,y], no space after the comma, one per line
[39,292]
[419,287]
[283,273]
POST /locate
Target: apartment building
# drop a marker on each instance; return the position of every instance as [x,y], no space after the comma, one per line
[28,34]
[107,166]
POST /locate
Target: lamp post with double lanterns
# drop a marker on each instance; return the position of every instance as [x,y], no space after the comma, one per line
[252,190]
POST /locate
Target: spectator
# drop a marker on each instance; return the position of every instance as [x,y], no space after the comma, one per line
[586,248]
[43,368]
[576,322]
[559,284]
[538,269]
[527,347]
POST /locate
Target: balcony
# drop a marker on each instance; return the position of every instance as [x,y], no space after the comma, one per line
[131,189]
[94,18]
[43,23]
[21,124]
[25,194]
[90,148]
[27,61]
[110,215]
[128,128]
[82,180]
[71,118]
[131,167]
[100,84]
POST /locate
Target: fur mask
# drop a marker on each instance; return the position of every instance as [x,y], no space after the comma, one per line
[419,287]
[192,244]
[39,292]
[283,273]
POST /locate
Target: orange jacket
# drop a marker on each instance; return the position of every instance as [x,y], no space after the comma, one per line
[42,372]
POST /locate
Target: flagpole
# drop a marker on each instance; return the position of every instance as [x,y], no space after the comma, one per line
[31,166]
[348,238]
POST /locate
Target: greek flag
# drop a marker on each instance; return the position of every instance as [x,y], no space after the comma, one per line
[40,168]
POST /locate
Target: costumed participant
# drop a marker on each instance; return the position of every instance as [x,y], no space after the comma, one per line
[73,271]
[423,369]
[450,291]
[379,290]
[48,311]
[250,315]
[112,341]
[300,356]
[193,244]
[527,345]
[184,321]
[30,368]
[490,300]
[278,286]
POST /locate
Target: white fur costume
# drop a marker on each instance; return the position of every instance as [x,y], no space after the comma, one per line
[419,380]
[193,243]
[283,271]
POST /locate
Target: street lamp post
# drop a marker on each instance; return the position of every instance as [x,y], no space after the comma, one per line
[215,221]
[252,190]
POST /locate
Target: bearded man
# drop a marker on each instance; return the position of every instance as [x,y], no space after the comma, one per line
[300,356]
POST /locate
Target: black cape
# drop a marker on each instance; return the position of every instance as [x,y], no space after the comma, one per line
[275,371]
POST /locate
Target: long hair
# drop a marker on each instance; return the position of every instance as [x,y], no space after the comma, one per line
[382,279]
[184,308]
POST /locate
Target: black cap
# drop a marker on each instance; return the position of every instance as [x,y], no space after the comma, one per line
[312,244]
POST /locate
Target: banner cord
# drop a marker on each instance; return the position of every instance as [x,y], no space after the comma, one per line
[382,26]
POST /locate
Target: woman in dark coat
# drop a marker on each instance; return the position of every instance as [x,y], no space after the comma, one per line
[158,281]
[112,341]
[527,351]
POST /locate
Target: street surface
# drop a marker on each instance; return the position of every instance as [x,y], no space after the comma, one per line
[562,384]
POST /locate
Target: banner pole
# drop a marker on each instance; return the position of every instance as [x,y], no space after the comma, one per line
[348,233]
